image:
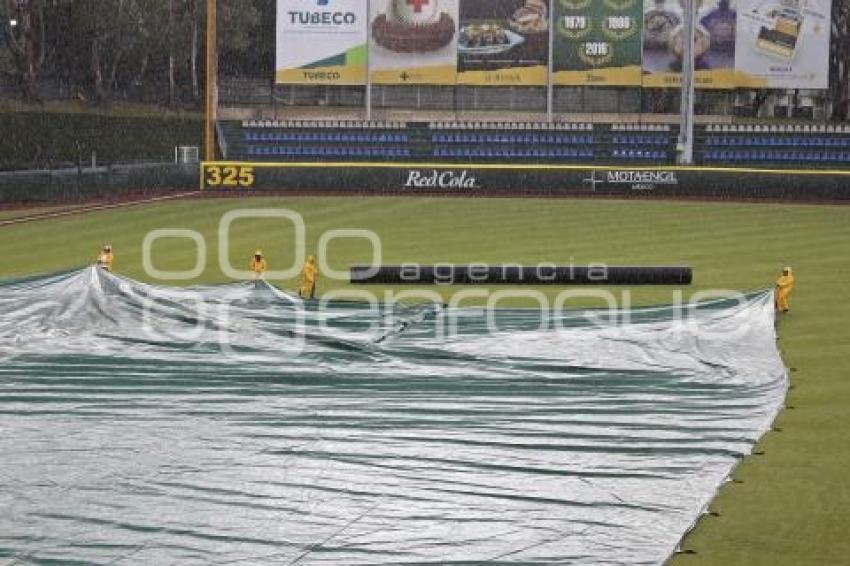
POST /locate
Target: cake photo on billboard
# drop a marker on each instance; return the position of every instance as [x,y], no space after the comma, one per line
[413,26]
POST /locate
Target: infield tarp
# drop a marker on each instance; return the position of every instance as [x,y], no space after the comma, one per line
[230,424]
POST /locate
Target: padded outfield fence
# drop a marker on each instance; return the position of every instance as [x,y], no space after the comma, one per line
[448,179]
[114,182]
[532,180]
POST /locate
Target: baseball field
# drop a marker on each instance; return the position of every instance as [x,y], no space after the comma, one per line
[786,506]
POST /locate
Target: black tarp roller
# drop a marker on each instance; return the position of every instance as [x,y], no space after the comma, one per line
[480,274]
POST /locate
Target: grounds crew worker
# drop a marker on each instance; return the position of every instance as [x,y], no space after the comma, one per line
[308,279]
[106,257]
[784,286]
[258,265]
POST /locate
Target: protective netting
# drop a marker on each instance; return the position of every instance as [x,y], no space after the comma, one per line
[234,424]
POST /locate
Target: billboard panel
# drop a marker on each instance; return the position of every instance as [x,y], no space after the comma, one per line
[413,42]
[714,44]
[597,42]
[321,42]
[503,42]
[783,43]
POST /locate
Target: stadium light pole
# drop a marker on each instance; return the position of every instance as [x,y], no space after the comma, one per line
[685,146]
[368,62]
[550,68]
[211,102]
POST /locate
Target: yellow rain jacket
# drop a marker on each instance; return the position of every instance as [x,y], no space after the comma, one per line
[258,265]
[784,286]
[308,278]
[105,259]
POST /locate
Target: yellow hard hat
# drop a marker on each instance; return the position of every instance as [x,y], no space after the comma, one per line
[258,252]
[786,270]
[107,247]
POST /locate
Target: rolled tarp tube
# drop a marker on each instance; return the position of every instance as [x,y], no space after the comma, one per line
[544,274]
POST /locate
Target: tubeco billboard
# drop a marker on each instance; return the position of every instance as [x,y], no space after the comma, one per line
[321,42]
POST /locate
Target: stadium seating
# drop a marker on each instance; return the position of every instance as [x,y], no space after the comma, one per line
[536,142]
[301,140]
[788,145]
[327,140]
[577,143]
[776,144]
[642,143]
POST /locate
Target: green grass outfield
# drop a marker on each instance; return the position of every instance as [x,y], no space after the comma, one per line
[793,506]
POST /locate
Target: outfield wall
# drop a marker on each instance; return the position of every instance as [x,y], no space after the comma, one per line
[531,180]
[116,182]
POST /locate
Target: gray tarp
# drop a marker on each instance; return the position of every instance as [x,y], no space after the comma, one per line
[234,424]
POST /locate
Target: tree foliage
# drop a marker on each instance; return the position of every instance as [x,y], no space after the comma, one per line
[26,42]
[152,50]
